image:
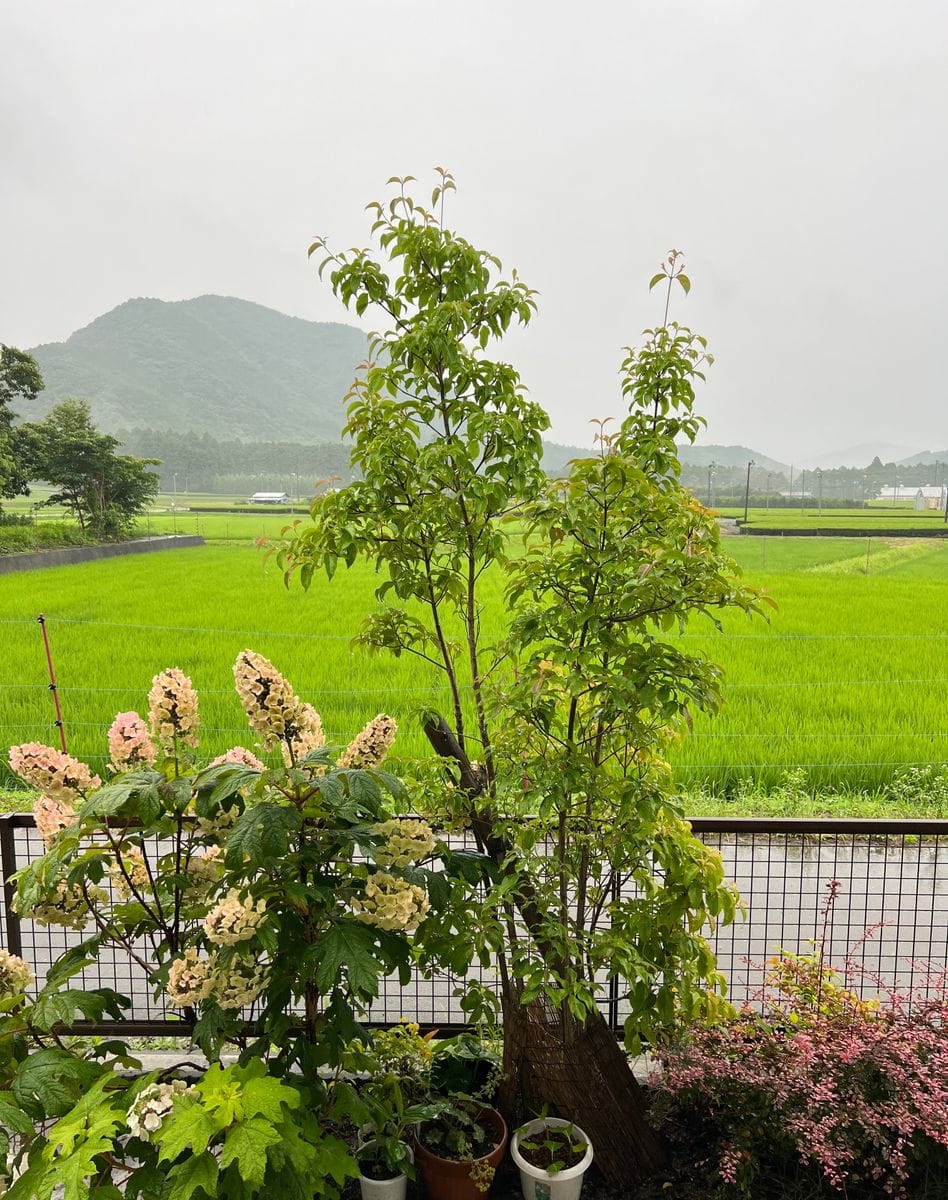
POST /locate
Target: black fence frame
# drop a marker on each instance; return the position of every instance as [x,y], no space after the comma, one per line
[713,830]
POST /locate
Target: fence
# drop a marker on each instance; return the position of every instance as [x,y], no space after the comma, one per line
[894,883]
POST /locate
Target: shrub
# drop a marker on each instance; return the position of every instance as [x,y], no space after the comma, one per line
[820,1082]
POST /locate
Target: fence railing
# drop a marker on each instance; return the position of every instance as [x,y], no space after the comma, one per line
[892,906]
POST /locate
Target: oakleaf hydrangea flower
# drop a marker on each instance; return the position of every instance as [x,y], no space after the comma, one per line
[152,1105]
[233,919]
[238,982]
[135,874]
[173,709]
[391,903]
[240,756]
[189,980]
[52,817]
[407,841]
[57,775]
[203,869]
[15,975]
[68,907]
[273,708]
[129,743]
[368,748]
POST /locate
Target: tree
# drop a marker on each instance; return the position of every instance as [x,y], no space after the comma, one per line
[557,732]
[104,490]
[20,379]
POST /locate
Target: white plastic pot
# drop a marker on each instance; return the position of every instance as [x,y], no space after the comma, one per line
[538,1184]
[384,1189]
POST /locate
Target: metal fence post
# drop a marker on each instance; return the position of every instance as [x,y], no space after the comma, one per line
[7,868]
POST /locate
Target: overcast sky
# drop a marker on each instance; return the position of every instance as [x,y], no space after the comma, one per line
[795,149]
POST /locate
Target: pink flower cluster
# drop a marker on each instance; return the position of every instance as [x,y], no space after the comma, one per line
[173,710]
[273,708]
[129,743]
[240,756]
[52,817]
[59,776]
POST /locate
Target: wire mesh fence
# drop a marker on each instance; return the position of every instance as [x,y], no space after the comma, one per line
[892,908]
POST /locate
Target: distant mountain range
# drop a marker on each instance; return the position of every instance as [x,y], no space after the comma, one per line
[238,370]
[210,365]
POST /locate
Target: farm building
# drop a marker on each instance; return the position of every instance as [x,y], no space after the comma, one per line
[269,498]
[927,496]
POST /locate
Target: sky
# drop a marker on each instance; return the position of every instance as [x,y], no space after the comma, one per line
[795,150]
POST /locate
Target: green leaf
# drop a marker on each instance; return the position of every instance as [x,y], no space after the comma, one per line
[50,1082]
[196,1172]
[656,279]
[12,1118]
[189,1126]
[247,1144]
[348,946]
[261,834]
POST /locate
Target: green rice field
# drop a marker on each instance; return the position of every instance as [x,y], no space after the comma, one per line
[895,519]
[848,682]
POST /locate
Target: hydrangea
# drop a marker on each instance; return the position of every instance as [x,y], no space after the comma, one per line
[237,982]
[15,974]
[58,776]
[68,907]
[189,980]
[273,708]
[151,1106]
[233,919]
[173,709]
[129,743]
[391,903]
[368,748]
[52,817]
[406,841]
[203,869]
[134,877]
[240,756]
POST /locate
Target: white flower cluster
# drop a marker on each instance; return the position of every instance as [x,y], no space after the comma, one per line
[406,841]
[239,983]
[220,824]
[130,872]
[151,1106]
[233,919]
[189,980]
[368,748]
[203,869]
[15,974]
[233,984]
[68,907]
[391,903]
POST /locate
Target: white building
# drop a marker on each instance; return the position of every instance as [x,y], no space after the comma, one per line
[269,498]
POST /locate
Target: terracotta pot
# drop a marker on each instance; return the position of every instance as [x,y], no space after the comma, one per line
[448,1179]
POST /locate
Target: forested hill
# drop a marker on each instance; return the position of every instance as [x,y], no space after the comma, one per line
[213,364]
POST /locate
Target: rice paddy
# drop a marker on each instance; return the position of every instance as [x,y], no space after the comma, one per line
[848,681]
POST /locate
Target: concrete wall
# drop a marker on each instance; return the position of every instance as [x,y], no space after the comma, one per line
[79,554]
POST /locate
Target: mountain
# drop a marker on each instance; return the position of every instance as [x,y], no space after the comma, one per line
[856,456]
[727,456]
[924,458]
[214,364]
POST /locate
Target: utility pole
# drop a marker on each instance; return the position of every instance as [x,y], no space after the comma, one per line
[747,488]
[791,485]
[711,466]
[803,492]
[767,496]
[820,473]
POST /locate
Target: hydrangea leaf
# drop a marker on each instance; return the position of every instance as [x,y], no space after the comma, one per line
[196,1172]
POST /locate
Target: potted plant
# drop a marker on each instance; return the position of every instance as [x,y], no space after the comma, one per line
[553,1156]
[460,1149]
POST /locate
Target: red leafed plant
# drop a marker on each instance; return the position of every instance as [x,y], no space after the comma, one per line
[851,1092]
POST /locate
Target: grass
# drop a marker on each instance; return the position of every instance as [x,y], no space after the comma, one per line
[848,680]
[890,518]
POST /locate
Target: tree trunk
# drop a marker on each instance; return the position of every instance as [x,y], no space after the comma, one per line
[580,1072]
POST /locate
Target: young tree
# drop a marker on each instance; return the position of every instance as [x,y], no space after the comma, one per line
[20,379]
[106,491]
[557,732]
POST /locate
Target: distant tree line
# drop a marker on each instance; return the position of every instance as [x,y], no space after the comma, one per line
[199,462]
[849,485]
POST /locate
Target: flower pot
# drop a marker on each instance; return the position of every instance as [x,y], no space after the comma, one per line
[449,1178]
[384,1189]
[538,1184]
